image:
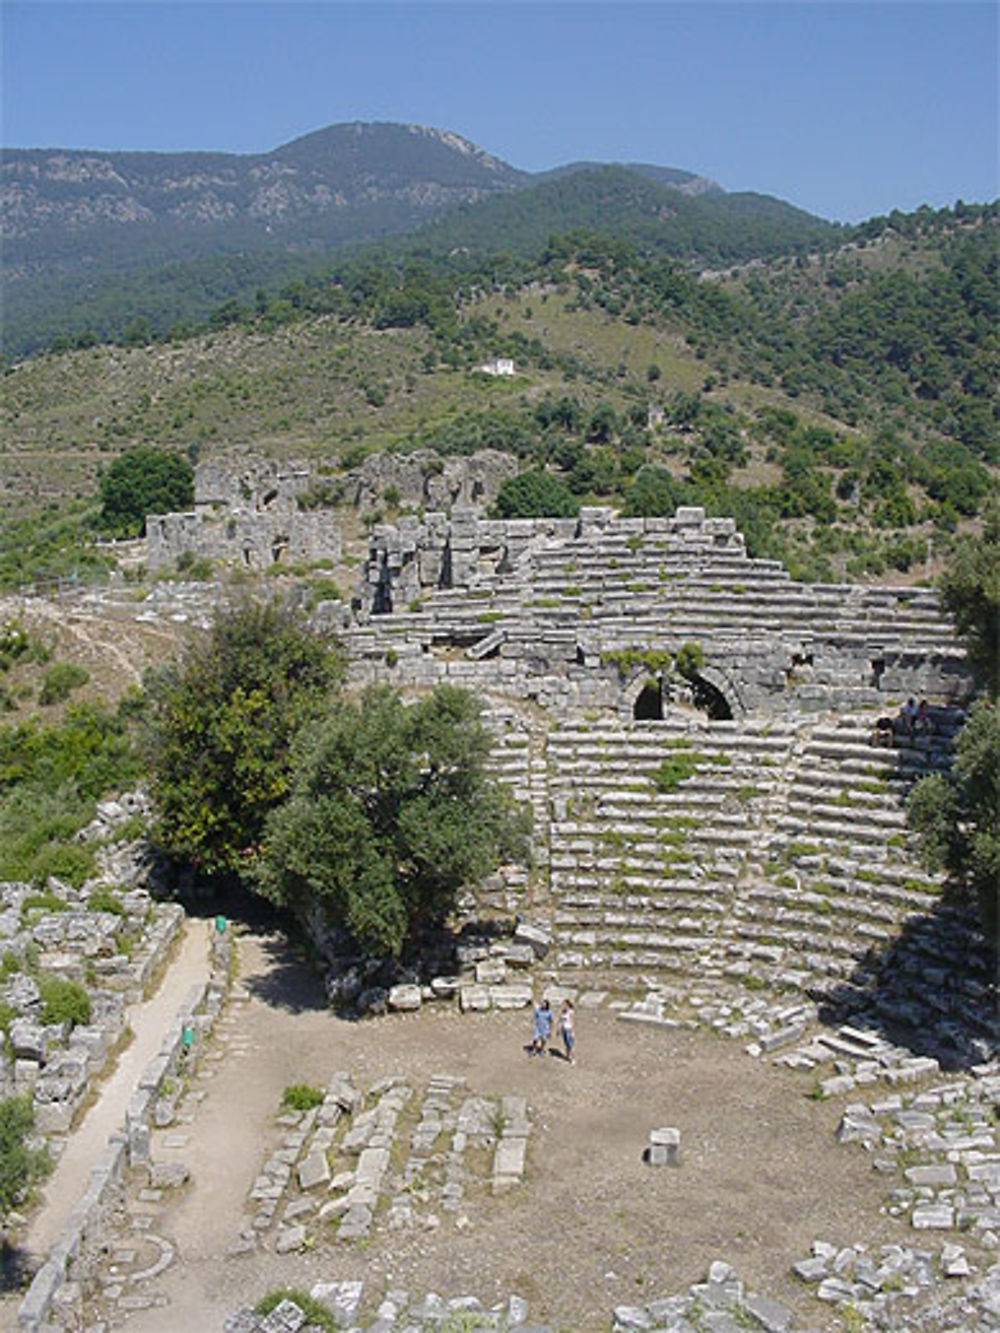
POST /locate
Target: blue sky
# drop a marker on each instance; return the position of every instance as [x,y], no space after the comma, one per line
[847,109]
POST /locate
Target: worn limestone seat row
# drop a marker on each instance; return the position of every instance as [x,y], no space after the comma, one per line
[783,854]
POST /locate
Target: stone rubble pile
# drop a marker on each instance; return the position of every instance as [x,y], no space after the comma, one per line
[894,1288]
[337,1164]
[113,954]
[943,1142]
[898,1287]
[398,1312]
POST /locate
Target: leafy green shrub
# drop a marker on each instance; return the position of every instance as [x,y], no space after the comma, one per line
[104,900]
[392,810]
[60,681]
[63,1001]
[20,1166]
[144,481]
[221,724]
[197,568]
[317,1315]
[42,902]
[17,644]
[301,1097]
[73,862]
[690,659]
[535,494]
[675,769]
[323,590]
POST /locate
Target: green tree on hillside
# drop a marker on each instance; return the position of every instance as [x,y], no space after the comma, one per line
[144,481]
[221,722]
[390,813]
[970,591]
[535,494]
[958,815]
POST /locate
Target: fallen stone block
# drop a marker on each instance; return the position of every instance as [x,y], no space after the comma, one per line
[167,1175]
[314,1170]
[539,939]
[932,1217]
[404,998]
[664,1147]
[514,995]
[289,1239]
[473,998]
[491,972]
[508,1160]
[342,1299]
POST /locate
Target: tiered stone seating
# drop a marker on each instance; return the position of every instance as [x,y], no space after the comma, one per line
[783,857]
[837,877]
[644,878]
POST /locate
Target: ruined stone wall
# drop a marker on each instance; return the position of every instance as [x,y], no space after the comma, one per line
[252,515]
[255,487]
[425,480]
[250,540]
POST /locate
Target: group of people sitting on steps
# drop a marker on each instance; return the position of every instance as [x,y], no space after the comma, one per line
[913,719]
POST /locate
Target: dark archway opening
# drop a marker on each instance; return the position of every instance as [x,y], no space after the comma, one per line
[710,699]
[648,706]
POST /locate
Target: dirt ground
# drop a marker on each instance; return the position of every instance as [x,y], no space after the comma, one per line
[591,1226]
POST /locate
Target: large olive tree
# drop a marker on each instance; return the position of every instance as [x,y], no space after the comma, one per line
[392,810]
[222,721]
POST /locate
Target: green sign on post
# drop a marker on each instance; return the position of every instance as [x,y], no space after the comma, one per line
[187,1036]
[220,924]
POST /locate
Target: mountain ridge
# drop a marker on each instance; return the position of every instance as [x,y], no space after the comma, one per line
[53,197]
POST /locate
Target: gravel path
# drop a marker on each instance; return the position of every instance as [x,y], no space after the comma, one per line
[149,1021]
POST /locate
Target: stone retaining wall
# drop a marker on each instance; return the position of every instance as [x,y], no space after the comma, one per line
[129,1146]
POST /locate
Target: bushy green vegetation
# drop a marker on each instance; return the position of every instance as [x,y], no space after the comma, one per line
[63,1001]
[50,779]
[20,1166]
[316,1312]
[221,725]
[105,900]
[18,644]
[970,591]
[391,812]
[957,815]
[59,682]
[301,1097]
[144,481]
[535,495]
[677,767]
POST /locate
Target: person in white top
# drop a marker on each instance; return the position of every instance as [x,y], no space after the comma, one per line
[566,1027]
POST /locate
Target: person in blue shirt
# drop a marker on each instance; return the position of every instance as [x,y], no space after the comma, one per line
[543,1028]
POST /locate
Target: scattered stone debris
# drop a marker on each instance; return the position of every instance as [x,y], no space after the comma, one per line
[109,939]
[893,1289]
[334,1164]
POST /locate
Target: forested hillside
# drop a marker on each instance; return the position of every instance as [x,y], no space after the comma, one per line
[842,405]
[101,246]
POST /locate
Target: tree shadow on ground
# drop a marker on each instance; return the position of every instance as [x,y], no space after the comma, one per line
[932,990]
[17,1267]
[291,981]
